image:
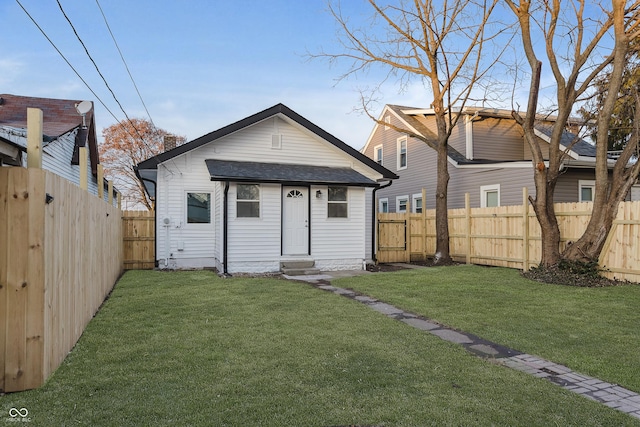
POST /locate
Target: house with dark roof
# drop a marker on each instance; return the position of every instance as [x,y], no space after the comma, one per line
[65,130]
[488,158]
[269,191]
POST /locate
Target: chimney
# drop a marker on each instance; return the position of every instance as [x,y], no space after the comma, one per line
[169,142]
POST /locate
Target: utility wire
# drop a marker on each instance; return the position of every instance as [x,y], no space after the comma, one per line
[67,61]
[125,64]
[100,73]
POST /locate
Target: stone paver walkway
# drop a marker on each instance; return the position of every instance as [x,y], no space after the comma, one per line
[609,394]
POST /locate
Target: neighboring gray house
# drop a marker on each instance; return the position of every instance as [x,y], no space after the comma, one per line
[488,158]
[268,190]
[64,132]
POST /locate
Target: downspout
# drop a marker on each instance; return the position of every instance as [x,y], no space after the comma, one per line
[225,222]
[373,220]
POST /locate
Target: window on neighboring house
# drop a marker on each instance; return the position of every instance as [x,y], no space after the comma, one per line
[198,208]
[490,196]
[337,202]
[401,203]
[248,201]
[402,153]
[377,154]
[387,119]
[586,190]
[383,205]
[417,203]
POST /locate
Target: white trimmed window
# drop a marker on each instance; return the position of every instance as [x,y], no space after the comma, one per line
[383,205]
[401,203]
[387,119]
[338,205]
[586,190]
[198,208]
[416,203]
[402,153]
[377,154]
[248,201]
[490,196]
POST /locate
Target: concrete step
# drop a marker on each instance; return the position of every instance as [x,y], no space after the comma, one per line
[300,271]
[304,263]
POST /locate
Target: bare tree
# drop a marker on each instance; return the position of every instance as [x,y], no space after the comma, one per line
[442,44]
[574,42]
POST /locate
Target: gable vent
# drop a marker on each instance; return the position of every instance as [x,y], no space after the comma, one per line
[276,141]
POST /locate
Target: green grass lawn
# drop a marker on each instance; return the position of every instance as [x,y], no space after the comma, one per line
[189,348]
[595,331]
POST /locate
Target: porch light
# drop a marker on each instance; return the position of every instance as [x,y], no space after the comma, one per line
[318,194]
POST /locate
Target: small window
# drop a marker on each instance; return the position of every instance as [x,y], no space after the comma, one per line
[490,196]
[401,203]
[198,208]
[383,205]
[377,154]
[402,153]
[338,205]
[417,203]
[387,120]
[248,201]
[587,190]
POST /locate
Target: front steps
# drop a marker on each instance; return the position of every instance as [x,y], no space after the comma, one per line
[299,268]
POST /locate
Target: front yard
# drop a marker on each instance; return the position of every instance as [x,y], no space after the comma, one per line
[190,348]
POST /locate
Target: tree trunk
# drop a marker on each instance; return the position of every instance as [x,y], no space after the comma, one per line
[442,255]
[546,215]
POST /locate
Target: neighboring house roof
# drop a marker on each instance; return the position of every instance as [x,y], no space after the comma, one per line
[146,169]
[579,148]
[59,118]
[223,170]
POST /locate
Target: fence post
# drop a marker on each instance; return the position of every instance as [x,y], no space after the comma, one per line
[84,168]
[100,182]
[525,231]
[424,224]
[467,213]
[34,138]
[110,189]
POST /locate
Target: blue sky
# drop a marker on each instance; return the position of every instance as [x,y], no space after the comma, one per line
[199,64]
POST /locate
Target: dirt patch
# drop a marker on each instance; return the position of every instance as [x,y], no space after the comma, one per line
[566,277]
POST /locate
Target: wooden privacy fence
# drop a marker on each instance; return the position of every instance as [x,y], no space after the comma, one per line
[509,236]
[60,255]
[138,234]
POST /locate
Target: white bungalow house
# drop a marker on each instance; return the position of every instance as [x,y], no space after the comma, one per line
[268,190]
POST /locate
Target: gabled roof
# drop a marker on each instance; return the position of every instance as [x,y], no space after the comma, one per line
[278,109]
[59,116]
[580,148]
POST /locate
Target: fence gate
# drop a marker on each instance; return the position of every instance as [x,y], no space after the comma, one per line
[139,239]
[392,238]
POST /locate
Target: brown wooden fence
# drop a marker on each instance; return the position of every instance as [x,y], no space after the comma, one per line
[138,233]
[509,236]
[59,259]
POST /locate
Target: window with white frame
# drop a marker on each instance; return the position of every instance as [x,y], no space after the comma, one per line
[377,154]
[198,208]
[383,205]
[416,203]
[387,120]
[402,153]
[401,203]
[586,190]
[490,196]
[338,204]
[248,201]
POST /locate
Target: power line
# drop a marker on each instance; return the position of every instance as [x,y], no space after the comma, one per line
[66,60]
[100,73]
[125,63]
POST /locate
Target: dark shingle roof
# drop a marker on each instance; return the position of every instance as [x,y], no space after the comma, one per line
[581,147]
[225,170]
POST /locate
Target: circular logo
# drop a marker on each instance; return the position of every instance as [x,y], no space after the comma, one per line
[22,412]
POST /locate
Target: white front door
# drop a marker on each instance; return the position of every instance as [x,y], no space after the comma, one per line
[295,221]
